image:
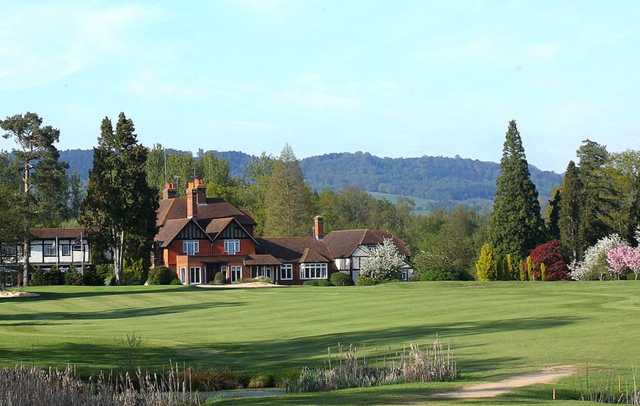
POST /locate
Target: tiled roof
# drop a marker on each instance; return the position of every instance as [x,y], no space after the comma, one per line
[216,226]
[170,230]
[51,233]
[292,248]
[311,255]
[262,259]
[214,208]
[336,244]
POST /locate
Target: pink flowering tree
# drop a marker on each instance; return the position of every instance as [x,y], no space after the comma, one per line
[623,259]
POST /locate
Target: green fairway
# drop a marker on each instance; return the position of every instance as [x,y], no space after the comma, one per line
[497,329]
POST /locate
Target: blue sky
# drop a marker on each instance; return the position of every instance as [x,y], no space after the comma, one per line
[394,78]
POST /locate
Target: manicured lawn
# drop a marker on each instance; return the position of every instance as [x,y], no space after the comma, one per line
[497,329]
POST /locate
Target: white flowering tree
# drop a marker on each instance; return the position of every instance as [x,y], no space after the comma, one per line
[385,262]
[595,264]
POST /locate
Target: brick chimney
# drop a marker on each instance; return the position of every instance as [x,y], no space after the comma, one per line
[318,227]
[196,194]
[169,191]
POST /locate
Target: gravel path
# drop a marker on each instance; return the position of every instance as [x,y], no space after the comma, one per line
[491,390]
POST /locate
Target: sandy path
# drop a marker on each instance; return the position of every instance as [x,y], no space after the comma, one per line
[490,390]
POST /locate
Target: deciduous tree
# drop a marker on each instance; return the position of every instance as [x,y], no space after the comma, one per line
[288,206]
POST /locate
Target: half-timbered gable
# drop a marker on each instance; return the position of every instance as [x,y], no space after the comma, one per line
[192,231]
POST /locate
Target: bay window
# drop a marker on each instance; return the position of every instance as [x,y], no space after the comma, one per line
[313,270]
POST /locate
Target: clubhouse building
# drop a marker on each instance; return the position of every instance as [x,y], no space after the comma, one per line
[199,236]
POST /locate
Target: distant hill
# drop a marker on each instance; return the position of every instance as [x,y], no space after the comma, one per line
[432,182]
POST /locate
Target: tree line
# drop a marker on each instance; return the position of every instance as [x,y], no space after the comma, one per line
[599,197]
[599,194]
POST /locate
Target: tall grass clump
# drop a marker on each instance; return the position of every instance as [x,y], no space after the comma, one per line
[348,368]
[30,386]
[613,388]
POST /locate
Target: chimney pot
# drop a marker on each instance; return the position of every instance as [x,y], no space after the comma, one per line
[169,191]
[318,227]
[196,194]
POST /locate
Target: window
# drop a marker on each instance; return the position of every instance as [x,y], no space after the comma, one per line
[191,247]
[231,247]
[183,275]
[286,272]
[236,273]
[261,270]
[314,270]
[195,273]
[50,250]
[66,250]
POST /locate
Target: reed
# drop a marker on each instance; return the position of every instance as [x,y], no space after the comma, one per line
[30,386]
[349,368]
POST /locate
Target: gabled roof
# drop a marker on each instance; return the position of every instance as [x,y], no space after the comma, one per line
[217,227]
[343,243]
[171,229]
[311,255]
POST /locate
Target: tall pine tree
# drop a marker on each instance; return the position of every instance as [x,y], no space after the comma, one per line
[516,223]
[569,221]
[42,185]
[288,209]
[120,206]
[552,214]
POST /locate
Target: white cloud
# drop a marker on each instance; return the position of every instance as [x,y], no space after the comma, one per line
[44,43]
[149,84]
[311,92]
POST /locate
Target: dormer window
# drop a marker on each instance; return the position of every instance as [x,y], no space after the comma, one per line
[191,247]
[231,247]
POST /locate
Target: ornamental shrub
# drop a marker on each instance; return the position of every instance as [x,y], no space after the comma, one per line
[160,275]
[91,277]
[624,259]
[548,257]
[73,277]
[105,272]
[341,279]
[219,278]
[384,263]
[42,277]
[366,281]
[594,265]
[135,272]
[260,381]
[486,263]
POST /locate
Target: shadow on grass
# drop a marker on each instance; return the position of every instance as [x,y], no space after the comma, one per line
[72,292]
[37,318]
[383,343]
[280,357]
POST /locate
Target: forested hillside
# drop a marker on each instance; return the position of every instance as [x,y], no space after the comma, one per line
[431,182]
